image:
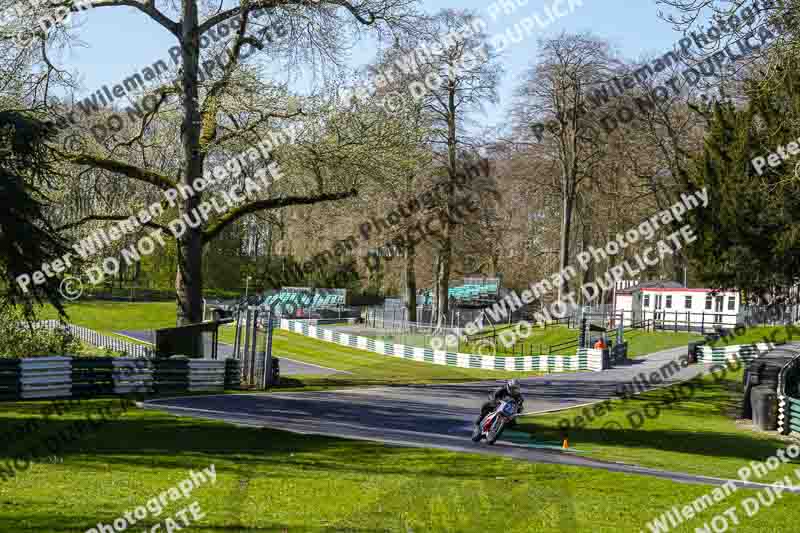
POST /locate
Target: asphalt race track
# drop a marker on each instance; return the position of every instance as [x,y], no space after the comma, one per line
[435,416]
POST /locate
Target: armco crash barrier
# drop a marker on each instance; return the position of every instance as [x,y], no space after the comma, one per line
[111,375]
[585,359]
[57,377]
[193,375]
[35,377]
[233,374]
[710,355]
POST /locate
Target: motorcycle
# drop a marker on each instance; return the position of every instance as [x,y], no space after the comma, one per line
[494,423]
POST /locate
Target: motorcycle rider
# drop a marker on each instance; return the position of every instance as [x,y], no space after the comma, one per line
[510,390]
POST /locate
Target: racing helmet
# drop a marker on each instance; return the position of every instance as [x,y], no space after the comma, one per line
[512,385]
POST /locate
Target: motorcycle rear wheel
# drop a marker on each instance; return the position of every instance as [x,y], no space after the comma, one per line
[477,434]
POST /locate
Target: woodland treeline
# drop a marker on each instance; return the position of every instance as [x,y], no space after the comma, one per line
[556,177]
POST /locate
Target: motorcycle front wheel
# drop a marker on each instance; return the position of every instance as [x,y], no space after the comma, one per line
[477,433]
[494,434]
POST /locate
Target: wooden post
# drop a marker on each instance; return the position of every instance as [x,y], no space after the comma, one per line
[253,347]
[246,355]
[237,330]
[268,353]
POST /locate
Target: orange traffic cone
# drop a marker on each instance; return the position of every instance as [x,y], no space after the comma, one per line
[565,444]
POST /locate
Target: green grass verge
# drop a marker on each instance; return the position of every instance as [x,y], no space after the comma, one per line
[697,433]
[366,368]
[274,481]
[539,341]
[753,335]
[641,343]
[107,317]
[88,350]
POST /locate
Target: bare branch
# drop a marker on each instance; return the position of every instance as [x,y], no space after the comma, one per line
[272,203]
[92,218]
[367,18]
[147,8]
[118,167]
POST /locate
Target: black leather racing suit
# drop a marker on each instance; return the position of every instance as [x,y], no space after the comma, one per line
[500,394]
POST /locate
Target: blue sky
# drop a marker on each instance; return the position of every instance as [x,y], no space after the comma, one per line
[120,41]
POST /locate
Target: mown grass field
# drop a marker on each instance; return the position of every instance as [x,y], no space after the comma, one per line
[366,368]
[108,317]
[641,343]
[696,433]
[758,334]
[541,340]
[275,481]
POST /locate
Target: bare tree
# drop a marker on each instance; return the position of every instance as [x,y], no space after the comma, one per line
[220,110]
[457,81]
[552,104]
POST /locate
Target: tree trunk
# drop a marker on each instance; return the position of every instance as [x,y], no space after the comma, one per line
[442,271]
[411,284]
[567,202]
[442,276]
[678,262]
[588,274]
[435,288]
[189,279]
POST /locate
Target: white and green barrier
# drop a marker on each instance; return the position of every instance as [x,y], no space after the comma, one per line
[724,354]
[585,359]
[789,416]
[789,399]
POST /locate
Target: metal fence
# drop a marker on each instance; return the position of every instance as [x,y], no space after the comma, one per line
[98,339]
[667,320]
[770,315]
[394,311]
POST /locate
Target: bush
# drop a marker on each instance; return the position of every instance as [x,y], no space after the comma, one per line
[20,338]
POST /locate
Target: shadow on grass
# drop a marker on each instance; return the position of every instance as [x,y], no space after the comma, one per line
[158,439]
[45,521]
[152,442]
[701,425]
[701,443]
